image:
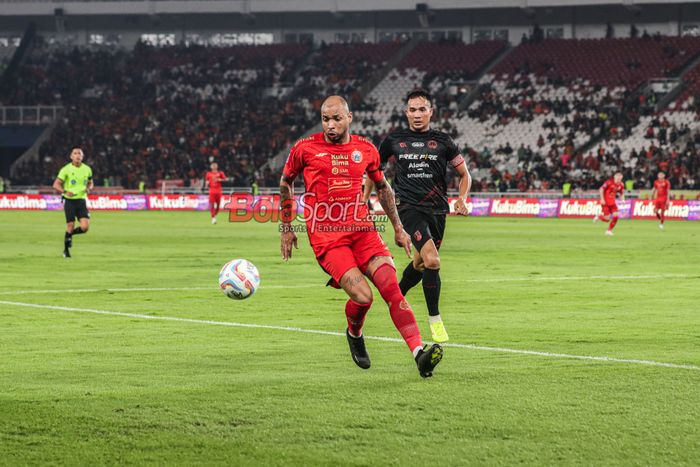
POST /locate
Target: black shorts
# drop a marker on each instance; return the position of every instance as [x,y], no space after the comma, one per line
[75,209]
[422,226]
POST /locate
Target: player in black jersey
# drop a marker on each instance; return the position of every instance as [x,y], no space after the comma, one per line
[420,156]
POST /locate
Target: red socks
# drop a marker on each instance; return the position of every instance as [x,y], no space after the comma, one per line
[613,221]
[355,313]
[662,216]
[214,210]
[401,313]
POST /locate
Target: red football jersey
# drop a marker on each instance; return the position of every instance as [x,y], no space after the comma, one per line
[611,189]
[662,187]
[333,178]
[214,179]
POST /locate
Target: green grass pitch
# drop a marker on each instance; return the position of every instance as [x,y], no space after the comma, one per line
[83,388]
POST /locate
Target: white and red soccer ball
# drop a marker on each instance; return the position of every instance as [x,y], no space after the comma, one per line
[239,279]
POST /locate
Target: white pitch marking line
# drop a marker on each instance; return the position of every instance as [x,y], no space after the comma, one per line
[305,286]
[332,333]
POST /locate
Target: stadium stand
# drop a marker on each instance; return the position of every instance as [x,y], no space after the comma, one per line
[547,113]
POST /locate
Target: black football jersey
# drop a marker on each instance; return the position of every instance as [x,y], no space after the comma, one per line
[420,161]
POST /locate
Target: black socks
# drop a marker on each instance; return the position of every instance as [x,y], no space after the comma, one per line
[409,279]
[431,289]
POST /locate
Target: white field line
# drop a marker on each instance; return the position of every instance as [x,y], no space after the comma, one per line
[339,334]
[315,285]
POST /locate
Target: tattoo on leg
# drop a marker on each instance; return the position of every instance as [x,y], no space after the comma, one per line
[352,281]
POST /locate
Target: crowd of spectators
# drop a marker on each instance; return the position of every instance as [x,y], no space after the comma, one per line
[541,171]
[155,114]
[165,114]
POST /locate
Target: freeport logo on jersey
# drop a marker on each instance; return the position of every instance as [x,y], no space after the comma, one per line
[415,157]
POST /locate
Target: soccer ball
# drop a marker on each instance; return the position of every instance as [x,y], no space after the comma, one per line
[239,279]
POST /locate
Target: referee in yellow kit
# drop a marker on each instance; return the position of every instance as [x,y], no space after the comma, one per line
[74,182]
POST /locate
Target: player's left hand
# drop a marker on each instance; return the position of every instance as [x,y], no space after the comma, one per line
[403,240]
[461,207]
[288,239]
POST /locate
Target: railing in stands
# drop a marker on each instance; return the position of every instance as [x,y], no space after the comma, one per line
[553,194]
[29,115]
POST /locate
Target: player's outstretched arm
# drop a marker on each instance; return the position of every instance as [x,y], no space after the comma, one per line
[465,184]
[287,236]
[386,198]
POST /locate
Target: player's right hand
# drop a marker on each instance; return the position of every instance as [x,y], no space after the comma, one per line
[403,240]
[287,239]
[69,194]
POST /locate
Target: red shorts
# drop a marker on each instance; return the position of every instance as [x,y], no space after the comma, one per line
[609,208]
[352,250]
[661,204]
[214,197]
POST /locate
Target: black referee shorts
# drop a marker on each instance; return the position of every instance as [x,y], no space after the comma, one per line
[75,209]
[422,226]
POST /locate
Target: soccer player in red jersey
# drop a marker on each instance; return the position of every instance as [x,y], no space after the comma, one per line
[213,181]
[344,240]
[608,195]
[660,197]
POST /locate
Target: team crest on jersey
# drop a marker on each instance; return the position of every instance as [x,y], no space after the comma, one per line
[403,145]
[417,235]
[356,156]
[432,144]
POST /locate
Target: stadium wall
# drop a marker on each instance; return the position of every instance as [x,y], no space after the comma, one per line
[478,207]
[128,20]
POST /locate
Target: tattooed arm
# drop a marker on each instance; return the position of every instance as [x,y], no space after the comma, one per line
[386,198]
[287,235]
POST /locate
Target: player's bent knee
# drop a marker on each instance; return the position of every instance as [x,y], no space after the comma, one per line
[363,298]
[418,264]
[432,262]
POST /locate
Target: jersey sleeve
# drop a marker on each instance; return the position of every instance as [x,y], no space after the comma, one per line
[62,174]
[453,156]
[89,177]
[374,171]
[385,151]
[295,162]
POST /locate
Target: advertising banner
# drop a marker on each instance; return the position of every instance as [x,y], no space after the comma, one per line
[677,209]
[269,205]
[178,202]
[694,210]
[589,207]
[23,202]
[516,207]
